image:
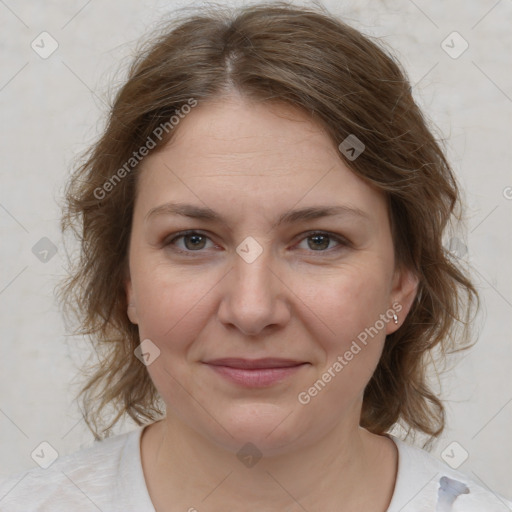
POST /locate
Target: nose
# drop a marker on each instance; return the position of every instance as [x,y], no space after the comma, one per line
[255,298]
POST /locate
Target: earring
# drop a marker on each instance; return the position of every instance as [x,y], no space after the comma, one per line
[395,318]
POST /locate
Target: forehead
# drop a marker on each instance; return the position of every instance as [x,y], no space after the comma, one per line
[256,156]
[248,135]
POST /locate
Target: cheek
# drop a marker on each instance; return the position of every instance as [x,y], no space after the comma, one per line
[172,310]
[349,303]
[350,309]
[171,304]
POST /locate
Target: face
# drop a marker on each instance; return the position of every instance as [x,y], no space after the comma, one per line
[254,282]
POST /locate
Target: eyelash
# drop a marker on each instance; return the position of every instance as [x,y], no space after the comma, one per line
[340,240]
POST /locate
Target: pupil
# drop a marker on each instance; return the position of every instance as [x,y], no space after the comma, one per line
[326,242]
[196,238]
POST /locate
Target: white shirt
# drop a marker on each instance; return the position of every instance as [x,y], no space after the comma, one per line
[108,477]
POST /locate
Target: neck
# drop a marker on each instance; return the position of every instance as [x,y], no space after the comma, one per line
[183,468]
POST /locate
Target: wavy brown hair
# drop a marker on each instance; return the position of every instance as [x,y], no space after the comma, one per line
[350,84]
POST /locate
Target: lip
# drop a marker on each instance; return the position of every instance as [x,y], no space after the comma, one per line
[254,373]
[265,363]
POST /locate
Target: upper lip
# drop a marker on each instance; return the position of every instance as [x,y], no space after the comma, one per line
[268,362]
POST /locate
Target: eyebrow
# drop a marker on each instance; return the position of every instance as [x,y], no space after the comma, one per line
[289,217]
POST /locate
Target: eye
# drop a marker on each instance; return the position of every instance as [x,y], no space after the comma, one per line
[320,241]
[195,241]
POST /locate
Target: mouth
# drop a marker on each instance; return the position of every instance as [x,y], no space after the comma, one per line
[255,364]
[255,372]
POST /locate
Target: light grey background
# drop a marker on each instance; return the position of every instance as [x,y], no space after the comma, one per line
[52,108]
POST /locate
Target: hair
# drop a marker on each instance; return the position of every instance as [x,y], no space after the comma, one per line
[347,82]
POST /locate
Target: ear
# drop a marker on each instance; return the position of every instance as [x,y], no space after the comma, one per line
[130,299]
[403,293]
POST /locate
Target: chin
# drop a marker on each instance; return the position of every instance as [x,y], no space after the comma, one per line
[265,426]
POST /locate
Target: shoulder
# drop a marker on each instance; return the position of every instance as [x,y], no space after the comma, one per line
[84,480]
[423,482]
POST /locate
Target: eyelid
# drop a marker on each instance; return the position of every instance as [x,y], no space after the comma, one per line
[340,239]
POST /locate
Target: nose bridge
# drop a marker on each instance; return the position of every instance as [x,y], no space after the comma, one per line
[251,299]
[252,268]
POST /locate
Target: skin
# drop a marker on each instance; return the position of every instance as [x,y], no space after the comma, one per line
[300,299]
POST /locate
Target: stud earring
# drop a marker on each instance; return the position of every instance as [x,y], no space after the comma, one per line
[395,318]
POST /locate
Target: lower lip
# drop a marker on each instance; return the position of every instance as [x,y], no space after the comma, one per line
[256,378]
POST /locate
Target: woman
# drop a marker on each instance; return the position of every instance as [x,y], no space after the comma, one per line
[263,277]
